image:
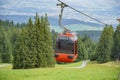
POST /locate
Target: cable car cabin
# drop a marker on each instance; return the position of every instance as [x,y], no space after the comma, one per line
[66,47]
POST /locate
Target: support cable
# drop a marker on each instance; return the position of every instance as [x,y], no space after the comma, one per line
[63,5]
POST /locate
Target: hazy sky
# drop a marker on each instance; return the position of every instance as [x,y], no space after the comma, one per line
[104,10]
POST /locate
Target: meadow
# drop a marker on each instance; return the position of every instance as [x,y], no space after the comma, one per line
[93,71]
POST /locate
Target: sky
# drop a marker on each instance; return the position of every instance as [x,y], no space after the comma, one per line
[106,11]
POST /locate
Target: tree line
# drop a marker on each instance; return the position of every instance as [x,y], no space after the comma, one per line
[94,35]
[108,47]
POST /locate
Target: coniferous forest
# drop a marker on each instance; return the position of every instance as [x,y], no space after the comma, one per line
[28,45]
[32,44]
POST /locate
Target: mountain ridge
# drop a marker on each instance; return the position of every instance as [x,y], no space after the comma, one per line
[53,20]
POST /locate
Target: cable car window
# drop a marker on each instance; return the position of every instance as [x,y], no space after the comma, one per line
[65,46]
[63,38]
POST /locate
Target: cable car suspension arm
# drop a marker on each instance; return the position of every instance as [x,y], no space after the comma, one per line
[62,5]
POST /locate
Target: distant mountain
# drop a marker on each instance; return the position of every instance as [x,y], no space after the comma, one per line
[72,24]
[16,18]
[52,20]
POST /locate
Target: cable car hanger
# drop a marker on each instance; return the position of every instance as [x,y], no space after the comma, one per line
[63,5]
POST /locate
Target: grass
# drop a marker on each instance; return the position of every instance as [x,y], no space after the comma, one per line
[93,71]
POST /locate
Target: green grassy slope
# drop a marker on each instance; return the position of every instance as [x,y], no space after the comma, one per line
[93,71]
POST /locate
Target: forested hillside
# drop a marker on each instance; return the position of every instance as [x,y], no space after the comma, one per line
[94,35]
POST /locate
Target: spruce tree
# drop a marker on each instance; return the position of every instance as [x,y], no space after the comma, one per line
[44,41]
[5,46]
[48,43]
[7,55]
[19,56]
[82,51]
[1,42]
[54,37]
[105,45]
[31,51]
[88,45]
[116,44]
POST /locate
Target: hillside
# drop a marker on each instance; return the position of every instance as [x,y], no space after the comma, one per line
[93,71]
[94,35]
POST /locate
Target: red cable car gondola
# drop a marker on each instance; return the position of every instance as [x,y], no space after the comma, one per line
[66,47]
[66,43]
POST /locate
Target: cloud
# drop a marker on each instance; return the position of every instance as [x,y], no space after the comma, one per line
[104,10]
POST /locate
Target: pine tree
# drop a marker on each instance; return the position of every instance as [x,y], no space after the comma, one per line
[19,56]
[105,45]
[45,50]
[116,44]
[7,55]
[1,42]
[92,53]
[5,46]
[54,37]
[48,43]
[88,45]
[82,51]
[31,51]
